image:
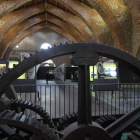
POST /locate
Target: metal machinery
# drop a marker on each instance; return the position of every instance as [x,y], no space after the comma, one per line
[80,126]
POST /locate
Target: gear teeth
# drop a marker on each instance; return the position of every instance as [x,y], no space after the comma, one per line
[19,116]
[12,100]
[19,100]
[30,121]
[57,137]
[51,133]
[30,103]
[72,42]
[41,125]
[135,135]
[90,42]
[22,119]
[3,113]
[84,41]
[47,129]
[32,106]
[95,42]
[26,102]
[12,114]
[78,42]
[37,124]
[14,117]
[34,121]
[105,121]
[27,119]
[67,43]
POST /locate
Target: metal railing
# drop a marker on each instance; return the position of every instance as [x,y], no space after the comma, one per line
[58,100]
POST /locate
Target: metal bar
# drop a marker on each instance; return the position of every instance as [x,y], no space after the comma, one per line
[103,103]
[95,99]
[99,101]
[30,98]
[55,101]
[40,97]
[50,100]
[59,102]
[134,96]
[130,97]
[20,92]
[138,93]
[119,98]
[64,100]
[45,97]
[107,103]
[127,97]
[115,97]
[123,99]
[20,50]
[111,101]
[73,98]
[69,98]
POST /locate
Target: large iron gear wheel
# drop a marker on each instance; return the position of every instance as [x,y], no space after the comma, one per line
[66,120]
[28,125]
[101,49]
[34,107]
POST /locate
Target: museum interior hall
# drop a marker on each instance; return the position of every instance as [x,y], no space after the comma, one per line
[69,69]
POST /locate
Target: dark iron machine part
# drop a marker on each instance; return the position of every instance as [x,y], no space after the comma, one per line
[84,128]
[83,53]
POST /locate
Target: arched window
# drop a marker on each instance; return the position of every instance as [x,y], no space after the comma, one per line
[45,46]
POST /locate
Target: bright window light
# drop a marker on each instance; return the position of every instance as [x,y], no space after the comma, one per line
[45,46]
[17,46]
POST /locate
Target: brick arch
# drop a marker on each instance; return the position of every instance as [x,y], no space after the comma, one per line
[10,20]
[26,33]
[90,17]
[35,28]
[111,21]
[73,20]
[30,31]
[13,18]
[57,30]
[20,28]
[66,26]
[9,6]
[134,7]
[60,31]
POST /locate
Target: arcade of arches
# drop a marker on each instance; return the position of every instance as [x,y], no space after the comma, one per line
[30,23]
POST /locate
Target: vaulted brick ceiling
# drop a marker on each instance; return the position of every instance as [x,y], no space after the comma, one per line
[113,22]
